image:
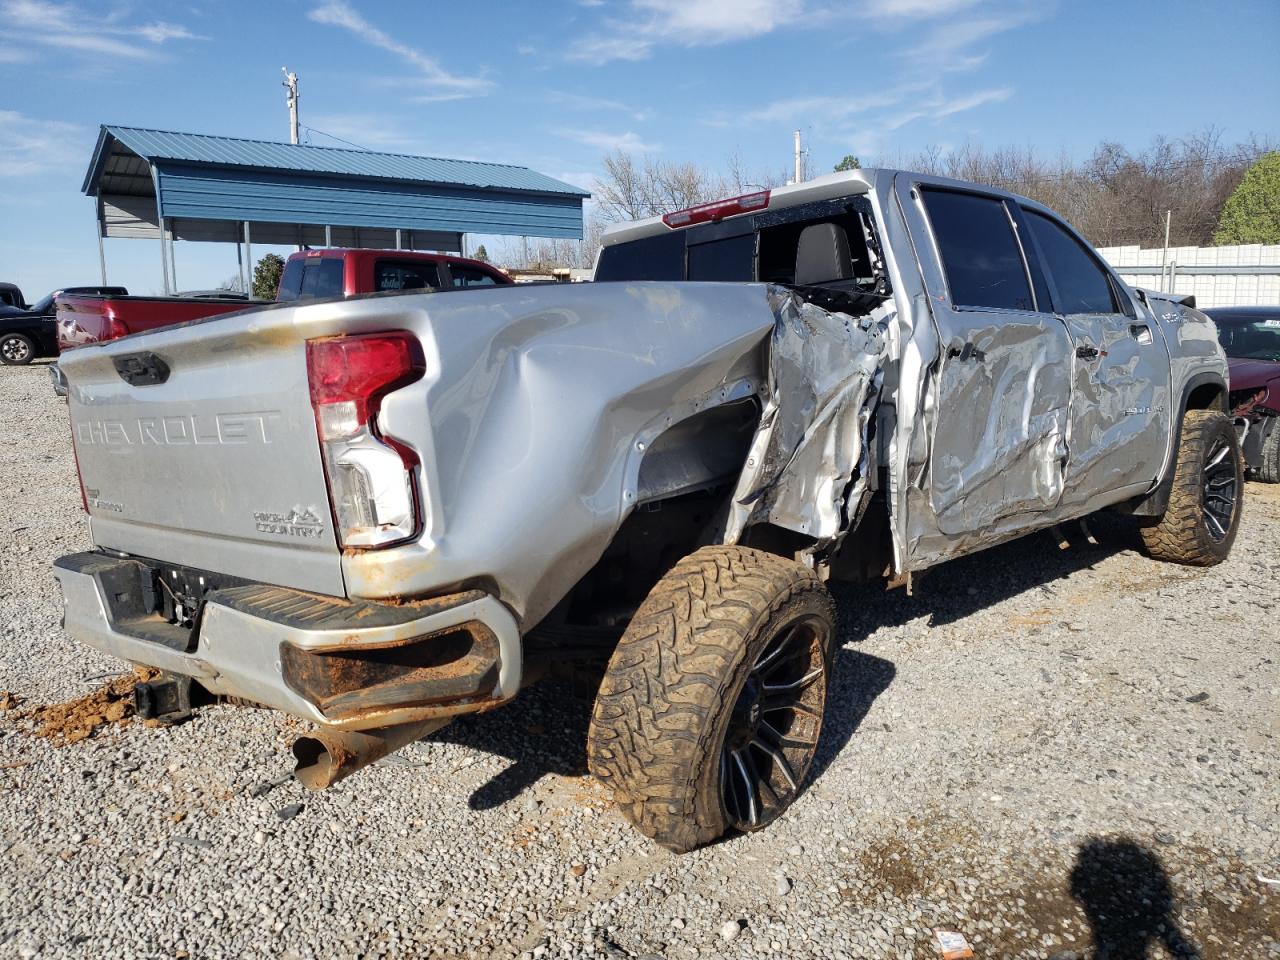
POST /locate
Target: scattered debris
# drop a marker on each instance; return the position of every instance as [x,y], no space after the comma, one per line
[9,701]
[578,869]
[194,842]
[83,717]
[1200,697]
[1273,882]
[730,929]
[953,945]
[289,812]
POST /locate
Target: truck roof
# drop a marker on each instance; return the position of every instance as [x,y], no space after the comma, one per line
[827,187]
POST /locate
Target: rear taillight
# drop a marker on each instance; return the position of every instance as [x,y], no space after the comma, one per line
[371,475]
[717,209]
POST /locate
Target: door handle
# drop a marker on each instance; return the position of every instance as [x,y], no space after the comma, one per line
[1085,352]
[1140,332]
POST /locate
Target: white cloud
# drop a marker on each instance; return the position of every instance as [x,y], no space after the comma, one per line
[915,9]
[32,146]
[628,142]
[66,26]
[948,47]
[337,13]
[650,23]
[588,103]
[938,107]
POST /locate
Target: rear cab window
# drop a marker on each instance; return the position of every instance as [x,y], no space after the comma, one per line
[310,278]
[749,248]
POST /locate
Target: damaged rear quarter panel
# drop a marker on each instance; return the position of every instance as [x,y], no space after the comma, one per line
[537,422]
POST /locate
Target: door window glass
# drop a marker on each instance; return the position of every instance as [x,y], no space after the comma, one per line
[471,277]
[980,253]
[1082,285]
[401,275]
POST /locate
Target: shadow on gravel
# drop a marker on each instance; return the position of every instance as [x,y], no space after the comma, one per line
[962,587]
[547,730]
[1126,895]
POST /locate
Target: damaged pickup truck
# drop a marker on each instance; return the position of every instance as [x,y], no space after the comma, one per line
[379,513]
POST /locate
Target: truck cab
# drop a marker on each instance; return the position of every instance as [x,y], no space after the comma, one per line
[335,272]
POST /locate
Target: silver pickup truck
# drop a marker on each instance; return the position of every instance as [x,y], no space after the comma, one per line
[376,514]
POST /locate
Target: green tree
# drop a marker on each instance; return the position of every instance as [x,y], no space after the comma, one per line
[850,162]
[1252,212]
[481,254]
[266,276]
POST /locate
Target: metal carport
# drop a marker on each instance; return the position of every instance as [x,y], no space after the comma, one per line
[187,186]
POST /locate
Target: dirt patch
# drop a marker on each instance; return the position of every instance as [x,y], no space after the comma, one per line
[79,719]
[9,701]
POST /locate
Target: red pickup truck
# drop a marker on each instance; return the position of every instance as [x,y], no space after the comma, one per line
[310,274]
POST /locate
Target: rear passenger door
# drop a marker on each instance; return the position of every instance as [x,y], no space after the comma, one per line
[405,275]
[999,393]
[1120,402]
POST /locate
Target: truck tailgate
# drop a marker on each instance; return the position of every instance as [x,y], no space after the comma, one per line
[197,445]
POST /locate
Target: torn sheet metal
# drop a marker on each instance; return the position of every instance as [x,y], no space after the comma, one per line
[807,466]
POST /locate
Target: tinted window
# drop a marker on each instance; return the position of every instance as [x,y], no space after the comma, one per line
[659,257]
[980,253]
[471,277]
[404,275]
[731,259]
[1080,284]
[322,277]
[290,281]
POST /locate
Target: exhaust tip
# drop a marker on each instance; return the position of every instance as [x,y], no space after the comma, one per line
[315,767]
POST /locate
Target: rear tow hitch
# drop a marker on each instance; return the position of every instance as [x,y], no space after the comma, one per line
[167,699]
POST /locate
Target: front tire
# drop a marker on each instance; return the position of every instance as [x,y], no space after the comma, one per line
[1202,518]
[709,714]
[16,349]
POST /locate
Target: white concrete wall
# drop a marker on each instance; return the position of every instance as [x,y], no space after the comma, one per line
[1218,287]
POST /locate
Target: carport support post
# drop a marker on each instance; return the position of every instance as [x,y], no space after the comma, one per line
[173,266]
[399,240]
[248,259]
[164,260]
[102,254]
[328,235]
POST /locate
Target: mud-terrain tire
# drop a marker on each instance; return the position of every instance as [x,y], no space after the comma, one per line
[1269,471]
[16,349]
[1200,523]
[726,637]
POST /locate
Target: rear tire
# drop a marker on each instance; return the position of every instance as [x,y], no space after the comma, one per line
[709,714]
[1202,518]
[16,349]
[1269,471]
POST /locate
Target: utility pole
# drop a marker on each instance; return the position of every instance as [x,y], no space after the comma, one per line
[291,84]
[799,159]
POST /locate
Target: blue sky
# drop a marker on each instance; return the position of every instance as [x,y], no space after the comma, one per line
[555,86]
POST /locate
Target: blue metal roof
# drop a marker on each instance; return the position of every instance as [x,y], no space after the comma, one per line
[219,179]
[154,145]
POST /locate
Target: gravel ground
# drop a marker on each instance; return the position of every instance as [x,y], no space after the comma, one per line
[1053,751]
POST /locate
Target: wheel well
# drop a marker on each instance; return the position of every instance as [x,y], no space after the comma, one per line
[1207,396]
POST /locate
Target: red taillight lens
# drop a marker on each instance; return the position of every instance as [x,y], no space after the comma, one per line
[361,369]
[717,209]
[371,483]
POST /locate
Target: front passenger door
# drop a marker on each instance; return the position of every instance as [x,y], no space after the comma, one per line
[1120,402]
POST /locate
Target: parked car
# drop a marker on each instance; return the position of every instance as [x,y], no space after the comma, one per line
[1250,336]
[311,274]
[28,331]
[381,513]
